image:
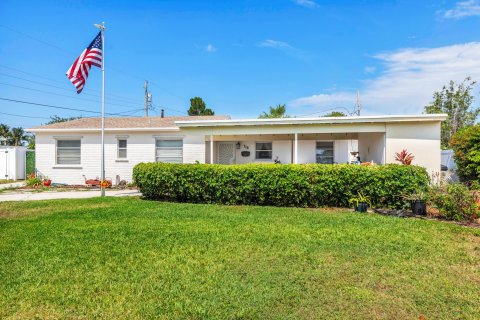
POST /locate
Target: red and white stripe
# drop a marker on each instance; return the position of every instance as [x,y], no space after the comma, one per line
[78,72]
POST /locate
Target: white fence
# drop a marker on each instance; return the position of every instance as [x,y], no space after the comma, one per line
[12,163]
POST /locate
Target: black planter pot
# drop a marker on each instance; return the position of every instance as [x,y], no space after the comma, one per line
[361,207]
[419,207]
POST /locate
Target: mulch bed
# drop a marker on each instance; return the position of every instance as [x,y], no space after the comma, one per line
[409,214]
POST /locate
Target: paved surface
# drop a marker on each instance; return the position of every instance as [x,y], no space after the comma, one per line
[65,195]
[12,185]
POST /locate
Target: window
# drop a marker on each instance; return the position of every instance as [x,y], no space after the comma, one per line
[324,152]
[170,151]
[263,150]
[122,149]
[68,151]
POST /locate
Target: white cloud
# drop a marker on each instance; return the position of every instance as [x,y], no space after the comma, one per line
[275,44]
[210,48]
[369,69]
[286,49]
[463,9]
[407,83]
[306,3]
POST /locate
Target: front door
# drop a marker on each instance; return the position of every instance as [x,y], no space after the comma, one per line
[226,153]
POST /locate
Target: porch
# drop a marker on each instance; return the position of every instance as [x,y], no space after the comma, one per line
[298,148]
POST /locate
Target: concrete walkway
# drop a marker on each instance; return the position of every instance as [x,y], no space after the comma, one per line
[12,185]
[65,195]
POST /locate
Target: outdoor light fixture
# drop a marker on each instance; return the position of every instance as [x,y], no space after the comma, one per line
[238,145]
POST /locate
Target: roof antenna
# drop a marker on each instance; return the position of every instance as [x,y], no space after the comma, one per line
[358,103]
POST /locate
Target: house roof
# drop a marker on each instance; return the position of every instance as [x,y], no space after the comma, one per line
[175,123]
[115,123]
[307,121]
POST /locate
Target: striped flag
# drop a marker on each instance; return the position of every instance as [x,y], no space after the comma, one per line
[91,56]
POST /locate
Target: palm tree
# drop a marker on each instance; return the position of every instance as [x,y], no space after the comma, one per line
[4,132]
[17,136]
[275,112]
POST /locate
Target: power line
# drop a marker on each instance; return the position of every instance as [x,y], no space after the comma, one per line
[174,110]
[58,107]
[34,38]
[62,95]
[61,88]
[69,52]
[61,82]
[18,115]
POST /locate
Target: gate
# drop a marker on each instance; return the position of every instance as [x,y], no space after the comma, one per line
[4,164]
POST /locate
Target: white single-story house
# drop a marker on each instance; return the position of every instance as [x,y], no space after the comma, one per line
[68,151]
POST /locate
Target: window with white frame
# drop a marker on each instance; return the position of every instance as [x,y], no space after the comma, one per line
[263,150]
[170,151]
[324,152]
[122,149]
[68,151]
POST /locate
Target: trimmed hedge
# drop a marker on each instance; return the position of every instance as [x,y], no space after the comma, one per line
[306,185]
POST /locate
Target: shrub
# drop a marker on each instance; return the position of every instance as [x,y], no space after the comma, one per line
[33,181]
[466,147]
[454,201]
[310,185]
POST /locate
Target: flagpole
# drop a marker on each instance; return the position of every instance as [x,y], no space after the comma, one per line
[102,178]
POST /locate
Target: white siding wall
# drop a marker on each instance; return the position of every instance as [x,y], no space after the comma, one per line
[421,139]
[194,149]
[371,147]
[283,150]
[306,151]
[140,148]
[343,148]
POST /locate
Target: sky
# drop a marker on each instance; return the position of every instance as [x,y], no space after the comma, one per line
[240,56]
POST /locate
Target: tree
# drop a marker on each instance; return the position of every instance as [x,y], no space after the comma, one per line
[199,108]
[275,112]
[5,131]
[57,119]
[335,114]
[456,101]
[31,141]
[17,137]
[466,148]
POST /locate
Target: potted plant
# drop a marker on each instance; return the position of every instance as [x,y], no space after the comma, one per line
[418,203]
[47,182]
[361,202]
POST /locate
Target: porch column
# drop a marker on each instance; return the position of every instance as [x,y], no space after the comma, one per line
[211,148]
[295,149]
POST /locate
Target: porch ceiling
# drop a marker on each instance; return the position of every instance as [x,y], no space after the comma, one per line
[271,137]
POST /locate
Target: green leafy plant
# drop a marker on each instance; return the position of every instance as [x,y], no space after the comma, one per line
[309,185]
[454,201]
[33,181]
[360,198]
[404,157]
[466,146]
[415,196]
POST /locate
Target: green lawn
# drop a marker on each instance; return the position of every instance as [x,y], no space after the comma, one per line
[3,181]
[129,258]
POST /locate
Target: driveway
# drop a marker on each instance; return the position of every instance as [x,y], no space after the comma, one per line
[49,195]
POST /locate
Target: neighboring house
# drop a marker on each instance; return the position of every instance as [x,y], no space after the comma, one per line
[66,151]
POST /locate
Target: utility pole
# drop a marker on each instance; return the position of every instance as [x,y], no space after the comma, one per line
[148,98]
[358,103]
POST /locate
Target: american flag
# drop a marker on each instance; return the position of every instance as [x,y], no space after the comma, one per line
[92,55]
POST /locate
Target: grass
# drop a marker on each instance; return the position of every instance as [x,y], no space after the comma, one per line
[130,258]
[3,181]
